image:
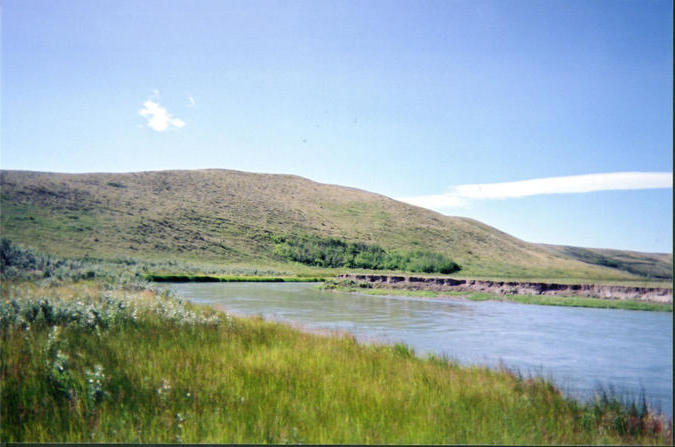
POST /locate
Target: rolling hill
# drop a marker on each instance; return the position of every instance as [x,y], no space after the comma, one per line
[223,216]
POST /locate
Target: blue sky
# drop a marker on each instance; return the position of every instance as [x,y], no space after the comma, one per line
[409,99]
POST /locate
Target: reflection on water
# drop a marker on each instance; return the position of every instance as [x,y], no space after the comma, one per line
[579,349]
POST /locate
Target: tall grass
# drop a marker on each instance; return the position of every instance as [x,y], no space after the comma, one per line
[80,363]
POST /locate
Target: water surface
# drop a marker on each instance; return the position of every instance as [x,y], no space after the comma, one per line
[577,348]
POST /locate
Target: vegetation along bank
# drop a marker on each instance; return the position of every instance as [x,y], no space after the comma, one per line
[614,292]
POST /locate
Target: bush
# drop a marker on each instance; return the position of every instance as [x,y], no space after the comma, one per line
[333,252]
[14,257]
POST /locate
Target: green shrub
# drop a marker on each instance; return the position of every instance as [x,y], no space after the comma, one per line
[333,252]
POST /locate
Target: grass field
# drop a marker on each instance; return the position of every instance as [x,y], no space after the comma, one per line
[575,301]
[87,362]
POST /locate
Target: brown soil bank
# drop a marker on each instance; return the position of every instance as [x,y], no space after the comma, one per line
[650,294]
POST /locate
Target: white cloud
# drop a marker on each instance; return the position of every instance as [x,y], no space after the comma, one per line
[192,101]
[437,201]
[461,195]
[159,119]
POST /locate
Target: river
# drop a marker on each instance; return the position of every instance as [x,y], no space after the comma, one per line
[579,349]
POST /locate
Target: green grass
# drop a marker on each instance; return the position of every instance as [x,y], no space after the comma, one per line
[365,289]
[149,368]
[544,300]
[575,301]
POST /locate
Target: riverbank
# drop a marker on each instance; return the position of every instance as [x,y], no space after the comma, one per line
[84,362]
[566,301]
[663,295]
[230,278]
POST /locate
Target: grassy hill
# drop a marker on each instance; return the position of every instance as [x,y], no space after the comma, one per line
[229,217]
[649,265]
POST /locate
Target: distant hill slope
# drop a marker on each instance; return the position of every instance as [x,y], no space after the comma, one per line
[650,265]
[229,216]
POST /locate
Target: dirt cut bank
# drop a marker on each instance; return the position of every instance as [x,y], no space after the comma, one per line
[615,292]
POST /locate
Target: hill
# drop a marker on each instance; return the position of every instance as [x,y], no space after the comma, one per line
[223,216]
[649,265]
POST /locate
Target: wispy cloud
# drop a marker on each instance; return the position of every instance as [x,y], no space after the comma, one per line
[158,118]
[461,195]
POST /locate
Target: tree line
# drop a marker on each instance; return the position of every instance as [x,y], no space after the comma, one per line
[335,252]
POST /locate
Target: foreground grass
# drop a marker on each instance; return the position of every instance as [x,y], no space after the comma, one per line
[544,300]
[82,362]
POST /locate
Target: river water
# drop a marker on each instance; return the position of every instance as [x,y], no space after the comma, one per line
[580,350]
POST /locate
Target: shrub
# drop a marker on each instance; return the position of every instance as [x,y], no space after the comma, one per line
[333,252]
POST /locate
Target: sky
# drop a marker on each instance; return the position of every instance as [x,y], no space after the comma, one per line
[550,120]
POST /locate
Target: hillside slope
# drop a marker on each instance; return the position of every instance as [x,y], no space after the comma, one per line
[649,265]
[229,216]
